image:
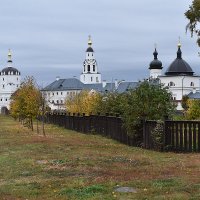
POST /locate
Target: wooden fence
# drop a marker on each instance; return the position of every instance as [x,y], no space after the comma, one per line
[179,136]
[109,126]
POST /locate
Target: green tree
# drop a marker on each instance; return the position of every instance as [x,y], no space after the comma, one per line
[193,15]
[193,111]
[112,102]
[148,101]
[184,102]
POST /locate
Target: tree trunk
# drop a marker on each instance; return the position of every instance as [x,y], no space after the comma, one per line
[37,127]
[31,121]
[43,130]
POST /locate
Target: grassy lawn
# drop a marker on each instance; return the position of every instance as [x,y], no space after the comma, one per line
[70,165]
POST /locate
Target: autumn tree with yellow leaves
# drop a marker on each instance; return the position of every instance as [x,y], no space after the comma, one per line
[27,102]
[84,102]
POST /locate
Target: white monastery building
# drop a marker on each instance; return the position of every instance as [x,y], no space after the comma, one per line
[179,77]
[10,79]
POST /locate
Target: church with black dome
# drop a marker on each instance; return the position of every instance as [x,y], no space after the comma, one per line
[179,77]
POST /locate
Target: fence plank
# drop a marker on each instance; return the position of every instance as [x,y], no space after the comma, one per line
[190,137]
[181,136]
[194,137]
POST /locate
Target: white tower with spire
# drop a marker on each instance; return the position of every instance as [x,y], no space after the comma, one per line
[10,79]
[90,73]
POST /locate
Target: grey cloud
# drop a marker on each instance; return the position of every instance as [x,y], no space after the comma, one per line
[49,38]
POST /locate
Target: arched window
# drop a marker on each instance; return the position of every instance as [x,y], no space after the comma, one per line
[88,68]
[171,84]
[192,84]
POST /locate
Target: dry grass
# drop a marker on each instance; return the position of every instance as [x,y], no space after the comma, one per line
[70,165]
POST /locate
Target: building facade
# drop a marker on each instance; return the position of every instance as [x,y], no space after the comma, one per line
[10,79]
[179,77]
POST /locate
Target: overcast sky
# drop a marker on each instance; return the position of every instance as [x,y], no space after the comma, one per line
[48,38]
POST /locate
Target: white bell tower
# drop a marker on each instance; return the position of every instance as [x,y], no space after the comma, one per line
[10,79]
[90,74]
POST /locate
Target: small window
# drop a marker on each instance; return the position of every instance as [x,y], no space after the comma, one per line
[52,101]
[57,93]
[97,80]
[3,79]
[52,93]
[61,93]
[93,68]
[6,99]
[1,99]
[61,101]
[57,101]
[3,86]
[192,84]
[17,79]
[91,79]
[171,84]
[88,54]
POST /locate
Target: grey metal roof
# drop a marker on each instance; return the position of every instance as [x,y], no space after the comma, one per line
[75,84]
[110,87]
[192,95]
[97,87]
[125,86]
[65,84]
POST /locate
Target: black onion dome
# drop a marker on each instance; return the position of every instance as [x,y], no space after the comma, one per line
[155,64]
[179,66]
[89,49]
[10,71]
